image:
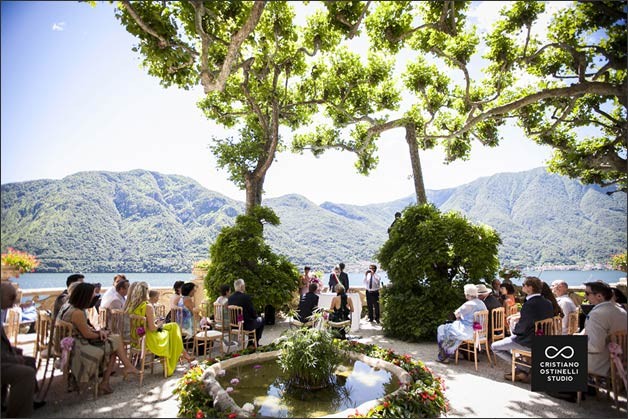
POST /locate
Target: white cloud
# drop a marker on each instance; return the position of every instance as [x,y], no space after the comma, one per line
[58,26]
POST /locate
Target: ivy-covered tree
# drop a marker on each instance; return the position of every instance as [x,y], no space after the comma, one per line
[250,58]
[429,256]
[619,262]
[241,252]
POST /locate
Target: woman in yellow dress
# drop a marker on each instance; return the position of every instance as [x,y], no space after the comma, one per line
[161,339]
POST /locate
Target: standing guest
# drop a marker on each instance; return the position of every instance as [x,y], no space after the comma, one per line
[97,297]
[334,278]
[225,291]
[307,304]
[561,291]
[344,278]
[251,320]
[535,308]
[603,319]
[304,281]
[186,302]
[88,358]
[340,308]
[17,370]
[162,339]
[63,297]
[397,217]
[372,283]
[116,299]
[619,298]
[450,335]
[314,280]
[495,287]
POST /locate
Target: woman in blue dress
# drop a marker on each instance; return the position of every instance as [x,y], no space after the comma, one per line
[186,302]
[451,335]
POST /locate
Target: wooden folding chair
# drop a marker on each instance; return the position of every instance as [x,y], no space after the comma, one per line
[12,324]
[479,337]
[524,357]
[205,335]
[139,352]
[617,381]
[558,325]
[498,327]
[102,317]
[236,322]
[572,325]
[160,310]
[43,326]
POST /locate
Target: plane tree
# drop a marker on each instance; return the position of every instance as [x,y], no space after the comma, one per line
[250,58]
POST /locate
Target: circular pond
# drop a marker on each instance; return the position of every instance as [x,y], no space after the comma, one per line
[266,386]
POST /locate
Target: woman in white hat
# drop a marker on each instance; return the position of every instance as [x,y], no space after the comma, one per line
[451,335]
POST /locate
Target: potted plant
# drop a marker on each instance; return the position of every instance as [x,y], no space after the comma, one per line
[15,263]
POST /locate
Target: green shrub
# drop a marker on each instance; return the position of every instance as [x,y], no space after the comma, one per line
[241,252]
[309,356]
[429,256]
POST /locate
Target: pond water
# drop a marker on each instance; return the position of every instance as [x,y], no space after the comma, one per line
[265,385]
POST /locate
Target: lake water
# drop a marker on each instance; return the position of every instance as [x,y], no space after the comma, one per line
[57,280]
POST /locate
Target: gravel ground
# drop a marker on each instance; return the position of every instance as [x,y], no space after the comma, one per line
[484,393]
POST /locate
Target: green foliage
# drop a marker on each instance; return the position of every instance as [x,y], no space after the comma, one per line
[193,398]
[620,262]
[429,256]
[509,273]
[309,356]
[240,251]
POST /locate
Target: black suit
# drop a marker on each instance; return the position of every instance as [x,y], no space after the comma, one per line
[491,304]
[307,305]
[251,321]
[533,309]
[344,280]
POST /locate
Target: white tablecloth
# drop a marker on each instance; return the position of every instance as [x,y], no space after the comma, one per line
[324,300]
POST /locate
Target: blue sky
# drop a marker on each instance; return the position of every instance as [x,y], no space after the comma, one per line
[74,98]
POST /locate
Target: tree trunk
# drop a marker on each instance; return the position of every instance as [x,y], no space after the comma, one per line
[254,189]
[417,173]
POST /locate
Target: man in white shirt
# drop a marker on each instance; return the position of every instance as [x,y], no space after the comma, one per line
[603,319]
[371,284]
[561,291]
[113,293]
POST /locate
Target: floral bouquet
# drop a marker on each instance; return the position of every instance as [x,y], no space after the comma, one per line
[140,331]
[477,326]
[22,261]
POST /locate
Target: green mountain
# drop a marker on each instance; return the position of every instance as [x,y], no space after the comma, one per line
[141,221]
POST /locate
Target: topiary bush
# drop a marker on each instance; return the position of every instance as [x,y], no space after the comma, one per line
[240,251]
[429,256]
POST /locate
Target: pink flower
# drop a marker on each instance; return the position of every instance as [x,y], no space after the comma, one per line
[140,331]
[229,389]
[200,414]
[234,381]
[257,366]
[477,326]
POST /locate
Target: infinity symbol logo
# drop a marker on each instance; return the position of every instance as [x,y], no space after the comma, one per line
[557,352]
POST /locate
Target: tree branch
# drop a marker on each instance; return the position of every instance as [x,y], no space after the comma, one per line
[237,39]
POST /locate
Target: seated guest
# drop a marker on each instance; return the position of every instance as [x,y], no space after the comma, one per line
[153,297]
[63,297]
[495,285]
[547,293]
[619,298]
[535,308]
[162,339]
[603,319]
[251,320]
[507,295]
[340,308]
[225,292]
[110,294]
[186,302]
[307,304]
[17,371]
[116,299]
[174,299]
[90,357]
[491,303]
[561,291]
[449,336]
